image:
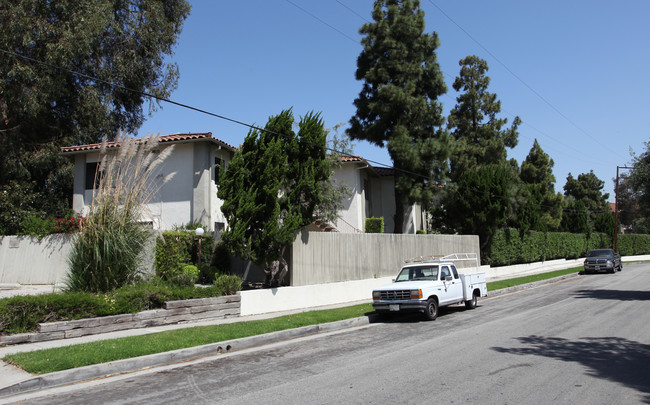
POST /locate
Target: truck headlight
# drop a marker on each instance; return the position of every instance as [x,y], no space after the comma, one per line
[376,295]
[416,294]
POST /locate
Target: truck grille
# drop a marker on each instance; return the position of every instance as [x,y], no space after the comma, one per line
[395,295]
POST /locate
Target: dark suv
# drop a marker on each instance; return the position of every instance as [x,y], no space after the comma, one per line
[603,260]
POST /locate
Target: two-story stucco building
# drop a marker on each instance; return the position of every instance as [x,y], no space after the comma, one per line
[191,194]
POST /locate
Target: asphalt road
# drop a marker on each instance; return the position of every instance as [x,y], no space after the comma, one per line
[581,341]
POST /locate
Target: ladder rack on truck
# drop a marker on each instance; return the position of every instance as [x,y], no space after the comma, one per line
[449,258]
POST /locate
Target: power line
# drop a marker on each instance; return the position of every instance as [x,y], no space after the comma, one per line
[250,126]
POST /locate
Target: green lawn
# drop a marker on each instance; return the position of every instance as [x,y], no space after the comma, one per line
[498,285]
[63,358]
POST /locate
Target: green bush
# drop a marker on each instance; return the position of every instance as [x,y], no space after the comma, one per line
[35,225]
[177,249]
[509,246]
[220,259]
[228,284]
[631,244]
[375,225]
[22,314]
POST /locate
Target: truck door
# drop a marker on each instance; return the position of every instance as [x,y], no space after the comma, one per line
[452,291]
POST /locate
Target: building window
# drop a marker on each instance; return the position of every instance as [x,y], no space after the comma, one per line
[93,178]
[219,227]
[366,189]
[218,167]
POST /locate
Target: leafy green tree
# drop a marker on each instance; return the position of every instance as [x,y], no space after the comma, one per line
[605,223]
[58,58]
[272,188]
[537,175]
[630,215]
[398,105]
[640,184]
[481,138]
[575,217]
[482,202]
[587,188]
[479,160]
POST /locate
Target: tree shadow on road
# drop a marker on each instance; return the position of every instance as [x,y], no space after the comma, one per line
[611,358]
[617,295]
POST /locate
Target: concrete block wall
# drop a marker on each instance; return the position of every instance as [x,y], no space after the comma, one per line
[324,257]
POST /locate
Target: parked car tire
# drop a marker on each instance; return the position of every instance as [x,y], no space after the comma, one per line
[431,311]
[471,304]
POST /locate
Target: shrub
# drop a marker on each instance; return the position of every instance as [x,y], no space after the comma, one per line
[22,314]
[221,258]
[176,249]
[630,244]
[35,225]
[207,274]
[375,225]
[509,246]
[228,284]
[69,225]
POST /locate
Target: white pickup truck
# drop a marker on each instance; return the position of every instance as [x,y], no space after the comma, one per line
[424,285]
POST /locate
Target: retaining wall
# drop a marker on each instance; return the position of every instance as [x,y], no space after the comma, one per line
[193,310]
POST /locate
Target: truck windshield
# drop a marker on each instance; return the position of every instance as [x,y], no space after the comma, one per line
[418,273]
[600,253]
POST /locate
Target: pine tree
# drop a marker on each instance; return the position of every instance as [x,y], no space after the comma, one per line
[485,189]
[398,106]
[587,189]
[537,176]
[474,123]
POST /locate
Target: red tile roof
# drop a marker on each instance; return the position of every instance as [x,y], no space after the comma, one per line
[173,138]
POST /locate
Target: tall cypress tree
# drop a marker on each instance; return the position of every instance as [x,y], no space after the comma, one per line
[480,173]
[482,140]
[272,188]
[397,107]
[537,175]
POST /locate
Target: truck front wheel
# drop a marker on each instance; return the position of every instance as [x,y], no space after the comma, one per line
[471,304]
[431,311]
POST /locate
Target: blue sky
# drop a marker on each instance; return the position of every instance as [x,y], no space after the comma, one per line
[576,72]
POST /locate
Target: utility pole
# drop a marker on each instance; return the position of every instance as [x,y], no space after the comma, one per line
[616,208]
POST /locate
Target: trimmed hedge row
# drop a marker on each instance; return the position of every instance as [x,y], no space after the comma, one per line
[631,244]
[509,246]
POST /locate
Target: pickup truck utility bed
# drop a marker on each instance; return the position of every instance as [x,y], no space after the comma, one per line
[426,284]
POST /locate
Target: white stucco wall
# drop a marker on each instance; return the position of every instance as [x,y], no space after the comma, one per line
[351,217]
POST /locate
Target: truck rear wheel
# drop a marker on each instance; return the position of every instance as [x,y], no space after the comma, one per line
[471,304]
[431,311]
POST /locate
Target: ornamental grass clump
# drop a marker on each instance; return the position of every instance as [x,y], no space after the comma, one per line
[106,253]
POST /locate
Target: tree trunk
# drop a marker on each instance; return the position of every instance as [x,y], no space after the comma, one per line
[276,271]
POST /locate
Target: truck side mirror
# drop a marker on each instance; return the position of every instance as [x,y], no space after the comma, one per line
[449,278]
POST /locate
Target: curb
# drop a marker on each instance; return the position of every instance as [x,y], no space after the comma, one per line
[124,366]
